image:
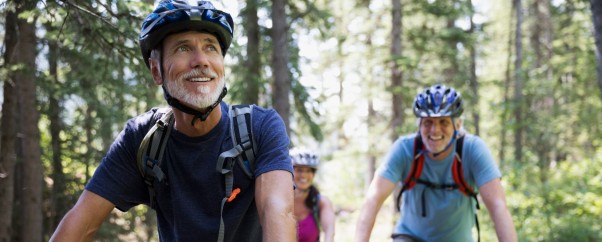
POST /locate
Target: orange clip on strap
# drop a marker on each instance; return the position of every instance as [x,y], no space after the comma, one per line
[233,195]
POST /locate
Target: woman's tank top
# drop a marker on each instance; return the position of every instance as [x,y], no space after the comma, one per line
[307,230]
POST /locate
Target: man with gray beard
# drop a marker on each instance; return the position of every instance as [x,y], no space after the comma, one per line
[184,47]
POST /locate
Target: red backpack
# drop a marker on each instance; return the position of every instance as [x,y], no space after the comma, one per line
[457,172]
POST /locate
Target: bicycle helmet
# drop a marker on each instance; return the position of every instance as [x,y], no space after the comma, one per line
[438,101]
[301,157]
[173,16]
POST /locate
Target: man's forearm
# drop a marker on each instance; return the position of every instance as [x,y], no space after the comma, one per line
[365,223]
[495,200]
[274,199]
[504,226]
[84,219]
[279,226]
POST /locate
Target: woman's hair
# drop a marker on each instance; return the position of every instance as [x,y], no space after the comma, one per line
[312,198]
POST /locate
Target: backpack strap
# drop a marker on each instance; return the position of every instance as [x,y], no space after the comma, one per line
[150,152]
[457,171]
[463,186]
[242,152]
[415,170]
[241,129]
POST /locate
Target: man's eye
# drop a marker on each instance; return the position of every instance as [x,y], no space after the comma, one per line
[212,48]
[182,49]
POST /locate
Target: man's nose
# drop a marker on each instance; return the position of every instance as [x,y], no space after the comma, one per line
[199,59]
[434,126]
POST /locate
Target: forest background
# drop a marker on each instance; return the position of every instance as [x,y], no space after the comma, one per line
[342,74]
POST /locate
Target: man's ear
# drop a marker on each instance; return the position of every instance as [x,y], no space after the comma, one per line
[458,123]
[155,71]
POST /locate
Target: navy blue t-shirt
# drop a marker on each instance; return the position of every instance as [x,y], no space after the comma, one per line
[188,205]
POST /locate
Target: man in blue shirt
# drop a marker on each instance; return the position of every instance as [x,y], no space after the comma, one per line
[434,207]
[184,47]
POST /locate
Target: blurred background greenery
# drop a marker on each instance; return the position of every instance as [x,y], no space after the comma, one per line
[528,70]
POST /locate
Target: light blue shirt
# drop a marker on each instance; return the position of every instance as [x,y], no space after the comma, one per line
[449,213]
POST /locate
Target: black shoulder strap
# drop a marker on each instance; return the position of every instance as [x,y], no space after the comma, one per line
[242,152]
[150,151]
[463,186]
[415,170]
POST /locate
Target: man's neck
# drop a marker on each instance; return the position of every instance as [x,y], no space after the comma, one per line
[441,155]
[200,128]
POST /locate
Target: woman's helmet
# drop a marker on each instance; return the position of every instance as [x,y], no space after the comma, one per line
[173,16]
[438,101]
[302,157]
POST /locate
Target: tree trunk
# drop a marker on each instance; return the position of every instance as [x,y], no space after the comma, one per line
[596,6]
[9,134]
[32,216]
[450,60]
[371,119]
[396,76]
[282,85]
[518,89]
[58,203]
[474,84]
[507,81]
[371,150]
[253,62]
[88,87]
[396,69]
[542,107]
[341,36]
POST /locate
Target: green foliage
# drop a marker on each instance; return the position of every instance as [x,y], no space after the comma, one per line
[554,193]
[563,208]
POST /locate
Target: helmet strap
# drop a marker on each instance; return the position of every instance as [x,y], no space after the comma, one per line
[196,113]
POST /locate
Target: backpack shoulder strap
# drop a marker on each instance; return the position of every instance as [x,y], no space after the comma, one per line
[458,172]
[150,151]
[241,133]
[463,186]
[242,152]
[415,170]
[241,129]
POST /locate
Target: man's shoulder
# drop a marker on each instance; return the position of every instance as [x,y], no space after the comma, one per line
[258,112]
[406,140]
[472,141]
[144,121]
[256,108]
[150,115]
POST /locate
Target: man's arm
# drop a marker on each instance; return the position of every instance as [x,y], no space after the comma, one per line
[84,219]
[274,197]
[495,200]
[379,190]
[327,218]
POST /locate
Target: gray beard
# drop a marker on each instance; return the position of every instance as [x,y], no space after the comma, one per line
[206,98]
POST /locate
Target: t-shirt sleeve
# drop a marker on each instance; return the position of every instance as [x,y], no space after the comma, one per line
[393,167]
[117,178]
[483,167]
[271,142]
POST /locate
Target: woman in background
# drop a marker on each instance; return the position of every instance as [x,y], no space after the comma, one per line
[313,211]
